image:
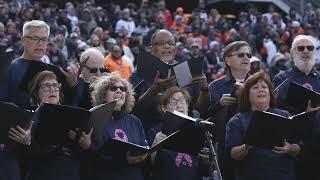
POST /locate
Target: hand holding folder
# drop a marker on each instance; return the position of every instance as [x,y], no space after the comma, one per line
[187,70]
[267,129]
[55,121]
[188,139]
[298,97]
[118,146]
[148,65]
[12,116]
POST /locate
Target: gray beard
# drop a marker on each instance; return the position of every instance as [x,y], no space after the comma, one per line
[304,66]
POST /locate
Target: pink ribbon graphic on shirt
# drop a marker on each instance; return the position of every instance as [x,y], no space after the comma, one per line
[121,135]
[2,147]
[184,156]
[307,85]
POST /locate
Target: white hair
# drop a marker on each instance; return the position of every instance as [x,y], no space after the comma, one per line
[300,37]
[34,23]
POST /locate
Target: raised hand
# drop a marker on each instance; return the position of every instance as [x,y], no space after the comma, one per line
[161,84]
[71,74]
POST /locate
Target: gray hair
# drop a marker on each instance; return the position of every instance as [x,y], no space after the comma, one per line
[91,53]
[101,85]
[154,35]
[34,23]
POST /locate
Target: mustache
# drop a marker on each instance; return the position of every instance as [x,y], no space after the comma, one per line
[304,66]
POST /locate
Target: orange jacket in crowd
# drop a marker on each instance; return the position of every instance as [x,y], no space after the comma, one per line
[120,65]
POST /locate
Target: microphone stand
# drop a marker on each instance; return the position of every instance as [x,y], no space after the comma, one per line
[213,155]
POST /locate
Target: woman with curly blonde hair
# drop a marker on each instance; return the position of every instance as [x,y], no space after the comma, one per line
[122,125]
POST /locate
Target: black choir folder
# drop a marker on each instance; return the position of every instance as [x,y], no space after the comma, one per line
[118,146]
[12,116]
[55,121]
[267,129]
[148,65]
[189,138]
[298,97]
[35,67]
[187,70]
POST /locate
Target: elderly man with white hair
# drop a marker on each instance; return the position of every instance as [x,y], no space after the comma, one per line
[303,72]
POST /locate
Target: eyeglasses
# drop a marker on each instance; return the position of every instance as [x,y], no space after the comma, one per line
[241,55]
[48,86]
[301,48]
[115,88]
[162,43]
[38,39]
[95,70]
[174,102]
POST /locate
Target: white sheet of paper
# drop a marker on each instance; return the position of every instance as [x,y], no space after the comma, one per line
[183,74]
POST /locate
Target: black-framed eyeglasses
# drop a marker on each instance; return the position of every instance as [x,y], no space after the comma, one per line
[115,88]
[37,39]
[95,70]
[241,55]
[162,43]
[50,86]
[302,48]
[174,102]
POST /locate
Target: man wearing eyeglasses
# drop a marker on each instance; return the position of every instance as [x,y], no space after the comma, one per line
[35,43]
[163,46]
[303,72]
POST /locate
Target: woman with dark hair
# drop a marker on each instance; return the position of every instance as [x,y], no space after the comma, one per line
[171,165]
[123,126]
[53,162]
[255,162]
[44,87]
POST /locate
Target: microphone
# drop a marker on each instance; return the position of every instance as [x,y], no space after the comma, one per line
[204,124]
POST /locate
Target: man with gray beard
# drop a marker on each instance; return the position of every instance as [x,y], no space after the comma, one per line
[303,72]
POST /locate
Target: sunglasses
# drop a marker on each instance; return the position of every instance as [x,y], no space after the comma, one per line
[95,70]
[301,48]
[241,55]
[115,88]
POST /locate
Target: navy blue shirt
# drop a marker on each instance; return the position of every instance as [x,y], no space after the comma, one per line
[108,166]
[311,81]
[9,166]
[16,72]
[258,164]
[80,95]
